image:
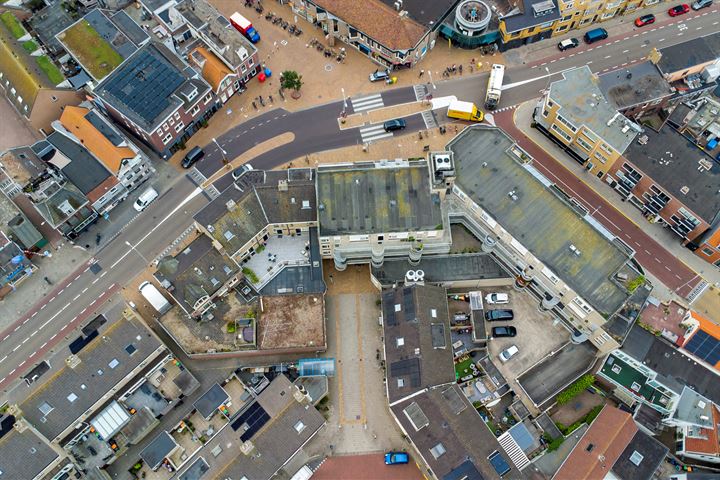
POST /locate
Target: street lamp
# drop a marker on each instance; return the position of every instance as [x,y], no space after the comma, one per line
[344,99]
[547,85]
[431,80]
[224,153]
[132,247]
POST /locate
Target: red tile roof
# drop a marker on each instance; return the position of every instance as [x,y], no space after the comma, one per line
[709,445]
[609,434]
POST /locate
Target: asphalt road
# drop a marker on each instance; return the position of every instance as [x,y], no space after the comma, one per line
[54,319]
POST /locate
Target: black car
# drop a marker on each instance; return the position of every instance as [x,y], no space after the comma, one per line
[499,315]
[192,157]
[568,43]
[392,125]
[504,331]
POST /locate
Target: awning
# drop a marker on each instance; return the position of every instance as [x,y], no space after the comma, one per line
[110,420]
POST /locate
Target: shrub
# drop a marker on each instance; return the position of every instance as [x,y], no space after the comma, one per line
[260,249]
[593,413]
[635,283]
[575,389]
[555,444]
[250,274]
[231,327]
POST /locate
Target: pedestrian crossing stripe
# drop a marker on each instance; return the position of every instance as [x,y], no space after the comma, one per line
[374,132]
[367,102]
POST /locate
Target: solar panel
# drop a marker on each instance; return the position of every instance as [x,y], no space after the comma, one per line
[409,304]
[251,420]
[705,347]
[407,368]
[388,301]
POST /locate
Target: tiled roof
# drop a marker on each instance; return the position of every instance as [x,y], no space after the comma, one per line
[102,189]
[711,443]
[213,70]
[606,439]
[377,20]
[75,121]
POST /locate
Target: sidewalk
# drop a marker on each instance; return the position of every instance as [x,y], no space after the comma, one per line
[522,119]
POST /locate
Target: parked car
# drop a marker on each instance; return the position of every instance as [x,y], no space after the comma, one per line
[396,458]
[645,20]
[193,156]
[701,4]
[504,331]
[238,172]
[568,43]
[460,318]
[145,199]
[595,35]
[497,298]
[679,10]
[379,75]
[392,125]
[507,354]
[499,315]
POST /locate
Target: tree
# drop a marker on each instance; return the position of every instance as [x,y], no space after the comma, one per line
[291,80]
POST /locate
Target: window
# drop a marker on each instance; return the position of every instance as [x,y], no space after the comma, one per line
[194,110]
[176,116]
[45,408]
[208,97]
[636,458]
[567,123]
[179,127]
[707,251]
[166,127]
[167,139]
[564,135]
[438,450]
[433,313]
[397,307]
[584,144]
[228,235]
[400,341]
[299,426]
[113,363]
[72,397]
[400,382]
[130,349]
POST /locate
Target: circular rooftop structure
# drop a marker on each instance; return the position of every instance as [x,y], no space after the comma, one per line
[472,16]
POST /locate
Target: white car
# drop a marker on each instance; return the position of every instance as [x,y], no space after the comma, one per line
[145,199]
[508,353]
[497,298]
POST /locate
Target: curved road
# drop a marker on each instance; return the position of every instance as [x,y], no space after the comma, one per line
[54,319]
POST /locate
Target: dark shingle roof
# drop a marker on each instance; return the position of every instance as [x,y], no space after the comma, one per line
[83,170]
[688,54]
[24,455]
[651,452]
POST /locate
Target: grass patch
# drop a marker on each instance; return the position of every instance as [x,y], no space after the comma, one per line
[231,327]
[12,24]
[91,49]
[30,46]
[50,69]
[461,367]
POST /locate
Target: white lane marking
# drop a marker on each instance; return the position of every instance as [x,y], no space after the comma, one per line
[33,333]
[43,345]
[16,348]
[625,51]
[61,291]
[85,290]
[25,341]
[76,297]
[41,308]
[607,56]
[661,40]
[103,274]
[3,359]
[31,316]
[95,281]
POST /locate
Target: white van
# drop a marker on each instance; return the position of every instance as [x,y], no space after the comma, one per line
[145,199]
[156,299]
[508,353]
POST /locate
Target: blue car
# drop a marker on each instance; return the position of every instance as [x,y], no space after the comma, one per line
[396,458]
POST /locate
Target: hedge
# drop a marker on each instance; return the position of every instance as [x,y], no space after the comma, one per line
[575,389]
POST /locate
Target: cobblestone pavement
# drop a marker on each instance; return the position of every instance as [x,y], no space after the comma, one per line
[359,420]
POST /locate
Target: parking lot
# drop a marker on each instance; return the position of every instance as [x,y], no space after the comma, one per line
[537,335]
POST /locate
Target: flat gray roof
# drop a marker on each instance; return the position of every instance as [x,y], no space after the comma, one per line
[582,103]
[442,268]
[667,153]
[156,451]
[634,85]
[417,339]
[117,351]
[211,400]
[24,455]
[376,197]
[538,216]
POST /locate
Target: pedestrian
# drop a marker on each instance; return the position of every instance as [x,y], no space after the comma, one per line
[422,72]
[460,68]
[271,100]
[472,61]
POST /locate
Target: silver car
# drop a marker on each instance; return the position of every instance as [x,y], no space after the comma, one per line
[701,4]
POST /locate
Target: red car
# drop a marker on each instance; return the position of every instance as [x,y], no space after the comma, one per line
[645,20]
[679,10]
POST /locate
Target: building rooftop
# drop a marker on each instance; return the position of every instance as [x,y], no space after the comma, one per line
[381,22]
[288,425]
[259,198]
[63,202]
[679,167]
[424,12]
[539,217]
[530,13]
[582,102]
[687,54]
[79,165]
[150,85]
[195,273]
[217,30]
[157,450]
[50,21]
[674,368]
[641,458]
[24,455]
[376,197]
[448,432]
[97,135]
[634,85]
[213,69]
[417,339]
[102,40]
[600,447]
[124,346]
[702,341]
[639,382]
[210,401]
[442,268]
[705,440]
[694,408]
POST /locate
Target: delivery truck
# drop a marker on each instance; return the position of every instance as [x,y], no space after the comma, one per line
[244,26]
[494,88]
[464,111]
[156,299]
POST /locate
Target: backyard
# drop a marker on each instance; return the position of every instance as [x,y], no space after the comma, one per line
[93,51]
[465,367]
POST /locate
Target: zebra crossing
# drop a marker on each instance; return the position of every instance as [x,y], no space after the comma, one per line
[513,450]
[373,133]
[421,92]
[429,118]
[368,102]
[198,178]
